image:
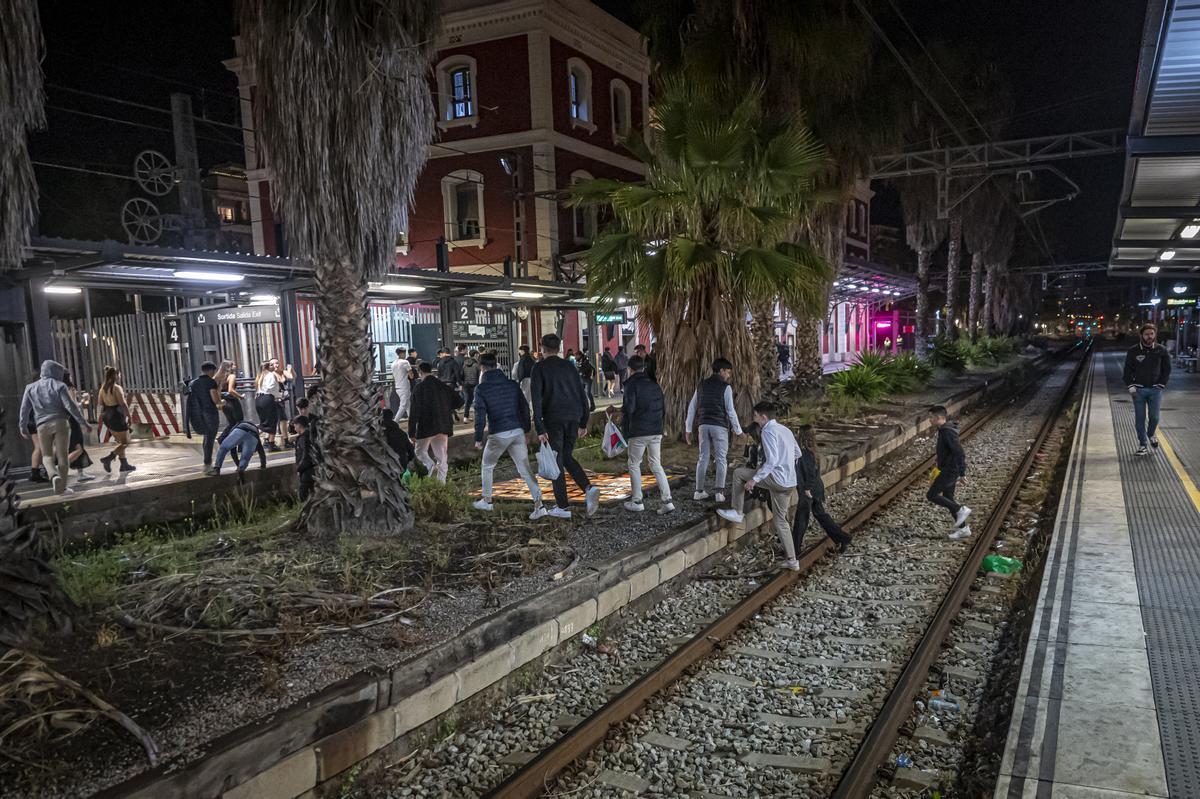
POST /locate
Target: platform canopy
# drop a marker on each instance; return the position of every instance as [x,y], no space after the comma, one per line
[1158,222]
[860,281]
[241,276]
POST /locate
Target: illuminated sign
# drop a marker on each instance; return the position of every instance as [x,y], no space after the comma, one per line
[617,318]
[1178,301]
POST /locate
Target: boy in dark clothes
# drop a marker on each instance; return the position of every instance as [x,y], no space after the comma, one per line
[397,439]
[306,463]
[812,494]
[951,467]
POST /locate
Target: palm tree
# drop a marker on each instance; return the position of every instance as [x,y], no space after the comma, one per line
[705,236]
[979,231]
[953,257]
[996,258]
[21,110]
[924,233]
[344,116]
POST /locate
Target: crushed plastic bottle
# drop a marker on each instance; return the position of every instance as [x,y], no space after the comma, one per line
[943,706]
[904,761]
[1000,564]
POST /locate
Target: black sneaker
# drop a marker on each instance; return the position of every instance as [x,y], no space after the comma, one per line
[1154,441]
[126,466]
[106,462]
[1142,451]
[37,476]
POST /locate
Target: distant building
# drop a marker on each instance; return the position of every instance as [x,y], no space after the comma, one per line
[227,209]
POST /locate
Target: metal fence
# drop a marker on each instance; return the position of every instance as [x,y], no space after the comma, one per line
[133,343]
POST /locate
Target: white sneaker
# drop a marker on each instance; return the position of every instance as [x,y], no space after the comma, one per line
[56,482]
[593,500]
[1142,451]
[68,491]
[700,496]
[483,504]
[792,565]
[963,513]
[730,515]
[667,507]
[539,512]
[719,498]
[636,507]
[83,478]
[961,533]
[559,513]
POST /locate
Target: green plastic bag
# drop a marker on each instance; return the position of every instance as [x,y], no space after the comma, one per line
[1000,564]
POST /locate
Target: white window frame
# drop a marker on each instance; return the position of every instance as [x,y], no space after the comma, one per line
[449,185]
[445,68]
[618,92]
[584,119]
[590,212]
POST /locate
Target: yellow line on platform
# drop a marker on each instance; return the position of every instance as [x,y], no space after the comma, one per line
[1188,484]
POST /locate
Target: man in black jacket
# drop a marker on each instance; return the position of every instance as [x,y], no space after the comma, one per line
[431,420]
[642,411]
[560,414]
[1147,369]
[812,494]
[500,406]
[523,371]
[951,467]
[650,360]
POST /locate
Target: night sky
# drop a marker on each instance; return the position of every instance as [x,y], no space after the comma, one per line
[1070,63]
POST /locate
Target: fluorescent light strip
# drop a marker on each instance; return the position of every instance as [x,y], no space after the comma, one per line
[1190,230]
[63,290]
[400,288]
[210,277]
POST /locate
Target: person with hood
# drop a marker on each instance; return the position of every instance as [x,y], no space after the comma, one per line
[523,371]
[1147,369]
[470,366]
[642,410]
[431,420]
[951,468]
[501,408]
[449,370]
[48,401]
[812,494]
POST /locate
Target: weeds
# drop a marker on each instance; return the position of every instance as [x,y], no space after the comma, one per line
[861,382]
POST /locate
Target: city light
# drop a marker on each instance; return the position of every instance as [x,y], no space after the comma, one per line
[1190,231]
[212,277]
[1154,270]
[1179,288]
[63,290]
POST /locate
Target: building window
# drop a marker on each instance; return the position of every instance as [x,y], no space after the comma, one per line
[227,213]
[458,102]
[462,202]
[579,94]
[583,218]
[619,96]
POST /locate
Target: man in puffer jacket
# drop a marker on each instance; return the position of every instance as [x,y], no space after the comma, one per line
[431,420]
[48,401]
[500,405]
[642,411]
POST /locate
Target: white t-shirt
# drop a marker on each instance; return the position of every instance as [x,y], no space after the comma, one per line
[400,371]
[271,385]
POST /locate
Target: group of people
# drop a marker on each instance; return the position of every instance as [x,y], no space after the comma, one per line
[52,418]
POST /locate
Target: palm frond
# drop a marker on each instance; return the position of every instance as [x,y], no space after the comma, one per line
[22,103]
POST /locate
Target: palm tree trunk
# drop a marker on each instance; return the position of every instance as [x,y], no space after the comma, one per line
[953,251]
[21,109]
[358,486]
[807,369]
[973,299]
[922,326]
[766,353]
[989,287]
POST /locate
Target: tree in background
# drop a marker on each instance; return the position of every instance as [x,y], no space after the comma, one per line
[924,232]
[980,210]
[707,234]
[344,116]
[996,259]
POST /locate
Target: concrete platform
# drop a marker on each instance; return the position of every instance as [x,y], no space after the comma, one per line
[1109,699]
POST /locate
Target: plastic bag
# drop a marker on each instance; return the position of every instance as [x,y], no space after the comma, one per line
[934,473]
[613,443]
[547,463]
[1001,564]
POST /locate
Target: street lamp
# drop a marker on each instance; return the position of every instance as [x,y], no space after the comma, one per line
[510,162]
[1179,288]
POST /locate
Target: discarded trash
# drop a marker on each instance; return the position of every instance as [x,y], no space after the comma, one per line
[587,640]
[904,761]
[943,706]
[1000,564]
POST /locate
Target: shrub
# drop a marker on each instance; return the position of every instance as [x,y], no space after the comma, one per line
[908,371]
[436,502]
[860,382]
[948,353]
[990,350]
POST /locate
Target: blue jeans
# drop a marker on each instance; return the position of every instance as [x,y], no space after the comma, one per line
[238,438]
[1146,399]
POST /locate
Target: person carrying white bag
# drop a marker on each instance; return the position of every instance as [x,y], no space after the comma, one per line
[642,410]
[560,413]
[613,443]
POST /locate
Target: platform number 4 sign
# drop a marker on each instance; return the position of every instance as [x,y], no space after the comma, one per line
[171,328]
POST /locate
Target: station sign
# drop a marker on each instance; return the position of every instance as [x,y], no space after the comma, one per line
[1177,302]
[247,314]
[616,318]
[172,332]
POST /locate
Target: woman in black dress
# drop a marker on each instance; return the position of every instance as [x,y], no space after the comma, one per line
[114,415]
[231,400]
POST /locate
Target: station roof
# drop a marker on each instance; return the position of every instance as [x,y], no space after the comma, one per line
[1158,221]
[165,270]
[861,281]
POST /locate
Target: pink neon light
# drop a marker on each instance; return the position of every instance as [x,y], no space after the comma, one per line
[883,324]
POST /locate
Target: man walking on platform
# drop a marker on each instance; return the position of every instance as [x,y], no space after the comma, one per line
[642,412]
[401,397]
[431,420]
[500,406]
[951,467]
[523,370]
[712,407]
[560,414]
[48,402]
[1147,369]
[776,474]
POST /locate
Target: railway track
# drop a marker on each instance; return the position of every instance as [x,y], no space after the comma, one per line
[814,648]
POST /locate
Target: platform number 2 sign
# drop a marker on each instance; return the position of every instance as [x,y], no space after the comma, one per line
[466,311]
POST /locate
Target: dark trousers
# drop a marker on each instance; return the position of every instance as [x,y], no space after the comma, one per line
[468,398]
[306,482]
[208,429]
[816,508]
[562,441]
[942,492]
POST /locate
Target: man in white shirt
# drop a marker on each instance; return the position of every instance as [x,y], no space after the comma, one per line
[712,407]
[776,473]
[401,399]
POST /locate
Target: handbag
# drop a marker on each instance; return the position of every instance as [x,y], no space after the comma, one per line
[547,463]
[613,442]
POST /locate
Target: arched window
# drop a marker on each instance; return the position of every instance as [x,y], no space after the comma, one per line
[462,208]
[583,218]
[618,94]
[579,93]
[458,101]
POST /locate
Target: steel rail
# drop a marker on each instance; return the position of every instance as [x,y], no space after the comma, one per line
[533,778]
[861,774]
